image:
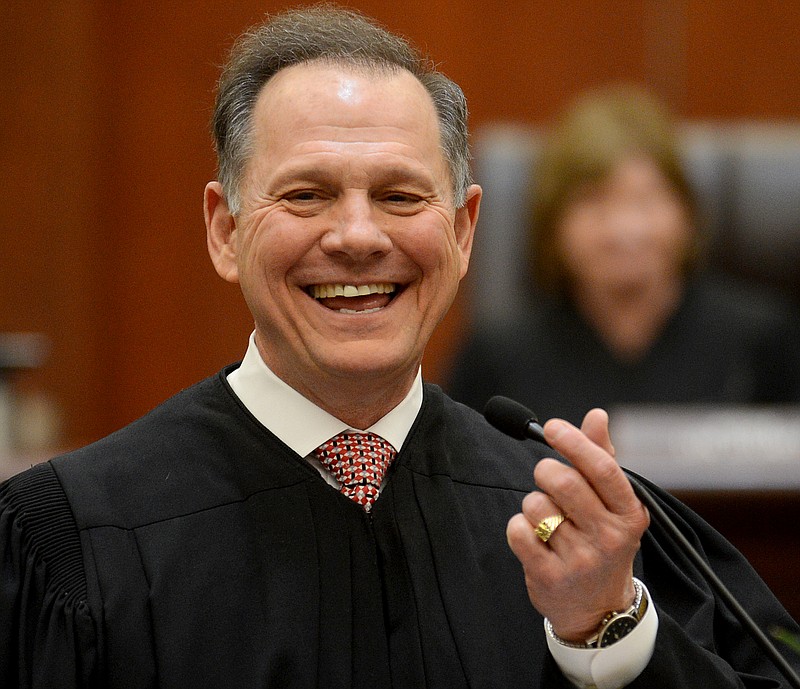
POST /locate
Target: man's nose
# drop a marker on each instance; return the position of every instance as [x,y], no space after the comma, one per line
[357,228]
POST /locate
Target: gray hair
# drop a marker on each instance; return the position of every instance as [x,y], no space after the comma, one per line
[338,36]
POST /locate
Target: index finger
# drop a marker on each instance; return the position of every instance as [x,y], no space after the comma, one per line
[595,464]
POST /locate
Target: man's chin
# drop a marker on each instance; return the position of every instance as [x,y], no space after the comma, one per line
[368,363]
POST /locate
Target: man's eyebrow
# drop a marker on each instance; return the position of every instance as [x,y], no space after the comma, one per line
[379,177]
[304,175]
[404,175]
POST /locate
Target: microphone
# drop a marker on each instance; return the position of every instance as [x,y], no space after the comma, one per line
[513,419]
[517,421]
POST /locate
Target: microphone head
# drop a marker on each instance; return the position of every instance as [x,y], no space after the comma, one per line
[510,417]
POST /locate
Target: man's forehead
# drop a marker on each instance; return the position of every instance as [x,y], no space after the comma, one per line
[351,82]
[322,108]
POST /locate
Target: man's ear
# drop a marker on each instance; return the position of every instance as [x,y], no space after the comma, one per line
[466,220]
[220,232]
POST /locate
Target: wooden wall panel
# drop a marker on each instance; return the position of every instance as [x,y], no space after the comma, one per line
[51,269]
[175,321]
[743,60]
[106,151]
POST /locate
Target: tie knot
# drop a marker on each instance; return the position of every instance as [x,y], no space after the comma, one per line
[358,462]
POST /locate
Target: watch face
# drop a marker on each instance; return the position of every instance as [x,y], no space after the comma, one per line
[619,627]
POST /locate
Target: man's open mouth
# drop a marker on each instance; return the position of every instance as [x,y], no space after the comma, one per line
[352,299]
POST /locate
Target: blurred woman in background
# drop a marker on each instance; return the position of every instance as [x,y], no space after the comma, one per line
[624,314]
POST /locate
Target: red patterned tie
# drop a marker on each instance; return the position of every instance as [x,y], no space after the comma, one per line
[358,461]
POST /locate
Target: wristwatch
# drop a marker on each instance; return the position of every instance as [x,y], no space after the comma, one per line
[614,626]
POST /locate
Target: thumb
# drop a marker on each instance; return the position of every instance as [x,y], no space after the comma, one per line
[595,427]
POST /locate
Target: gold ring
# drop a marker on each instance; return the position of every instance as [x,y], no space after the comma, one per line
[547,527]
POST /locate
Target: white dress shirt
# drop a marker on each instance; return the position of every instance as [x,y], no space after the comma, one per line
[303,427]
[300,423]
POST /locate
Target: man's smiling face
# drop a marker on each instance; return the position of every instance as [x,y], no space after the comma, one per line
[348,248]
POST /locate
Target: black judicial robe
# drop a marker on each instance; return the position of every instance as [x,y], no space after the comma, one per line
[193,549]
[725,344]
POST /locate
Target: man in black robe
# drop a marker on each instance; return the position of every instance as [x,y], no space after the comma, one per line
[212,544]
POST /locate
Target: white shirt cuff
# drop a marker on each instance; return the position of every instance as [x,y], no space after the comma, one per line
[614,666]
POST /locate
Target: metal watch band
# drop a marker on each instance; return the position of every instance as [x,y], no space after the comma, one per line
[635,611]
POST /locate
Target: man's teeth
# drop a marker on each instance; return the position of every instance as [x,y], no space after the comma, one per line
[339,290]
[361,313]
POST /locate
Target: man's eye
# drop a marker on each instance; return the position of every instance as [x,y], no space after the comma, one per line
[402,198]
[304,195]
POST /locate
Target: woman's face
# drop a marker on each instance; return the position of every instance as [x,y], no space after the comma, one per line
[626,232]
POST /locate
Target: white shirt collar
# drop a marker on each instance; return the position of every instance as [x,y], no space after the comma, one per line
[300,423]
